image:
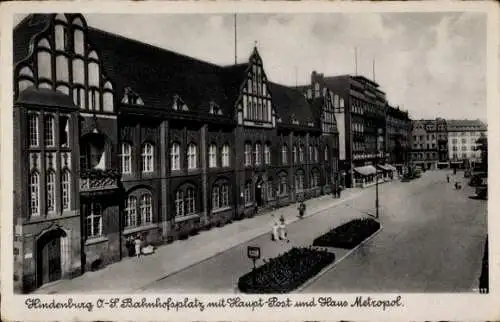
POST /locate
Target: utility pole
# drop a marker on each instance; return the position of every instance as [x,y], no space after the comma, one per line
[235,41]
[379,133]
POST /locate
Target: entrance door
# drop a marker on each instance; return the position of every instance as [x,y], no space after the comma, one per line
[258,194]
[49,258]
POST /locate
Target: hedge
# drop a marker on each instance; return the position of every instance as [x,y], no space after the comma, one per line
[348,235]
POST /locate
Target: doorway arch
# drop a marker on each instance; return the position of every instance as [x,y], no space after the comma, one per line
[49,264]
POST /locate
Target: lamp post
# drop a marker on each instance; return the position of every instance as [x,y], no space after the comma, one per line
[379,132]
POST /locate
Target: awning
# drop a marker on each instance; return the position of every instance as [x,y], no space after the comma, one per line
[366,170]
[391,167]
[384,167]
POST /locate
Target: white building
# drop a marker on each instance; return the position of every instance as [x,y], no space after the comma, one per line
[462,138]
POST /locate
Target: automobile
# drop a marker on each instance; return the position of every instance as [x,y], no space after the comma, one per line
[478,179]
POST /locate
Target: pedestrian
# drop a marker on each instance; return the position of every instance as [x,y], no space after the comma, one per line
[137,244]
[282,231]
[275,232]
[302,209]
[339,191]
[448,178]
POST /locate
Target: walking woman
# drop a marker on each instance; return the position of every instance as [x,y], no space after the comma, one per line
[137,244]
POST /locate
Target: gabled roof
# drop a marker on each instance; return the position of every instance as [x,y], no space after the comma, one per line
[291,104]
[24,31]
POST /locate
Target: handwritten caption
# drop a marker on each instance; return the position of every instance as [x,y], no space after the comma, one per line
[194,303]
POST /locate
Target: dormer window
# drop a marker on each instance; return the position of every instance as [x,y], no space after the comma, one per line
[215,109]
[179,104]
[131,97]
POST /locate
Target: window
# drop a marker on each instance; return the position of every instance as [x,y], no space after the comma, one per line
[464,141]
[284,154]
[311,153]
[464,148]
[283,185]
[248,154]
[131,211]
[179,203]
[220,196]
[215,198]
[64,130]
[294,153]
[33,129]
[299,181]
[49,131]
[247,193]
[126,158]
[146,208]
[454,141]
[51,191]
[192,156]
[225,195]
[93,221]
[269,189]
[212,156]
[316,154]
[147,156]
[257,155]
[175,156]
[190,201]
[225,155]
[315,179]
[65,190]
[267,154]
[35,194]
[301,153]
[326,153]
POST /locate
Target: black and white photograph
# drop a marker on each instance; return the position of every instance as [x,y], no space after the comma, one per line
[250,153]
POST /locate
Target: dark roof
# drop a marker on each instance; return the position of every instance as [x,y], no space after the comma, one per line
[24,31]
[157,75]
[44,96]
[290,104]
[465,125]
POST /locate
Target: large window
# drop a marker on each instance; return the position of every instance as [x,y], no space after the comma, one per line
[126,158]
[185,201]
[247,193]
[284,154]
[93,221]
[33,129]
[146,209]
[248,154]
[315,177]
[51,190]
[220,196]
[192,156]
[175,156]
[225,155]
[267,154]
[34,194]
[212,156]
[131,211]
[65,189]
[49,137]
[299,181]
[282,184]
[257,154]
[147,156]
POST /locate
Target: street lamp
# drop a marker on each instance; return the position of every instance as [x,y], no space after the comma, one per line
[379,132]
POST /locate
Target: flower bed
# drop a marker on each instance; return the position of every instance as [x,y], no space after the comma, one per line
[286,272]
[348,235]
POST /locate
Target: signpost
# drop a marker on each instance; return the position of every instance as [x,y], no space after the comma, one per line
[253,252]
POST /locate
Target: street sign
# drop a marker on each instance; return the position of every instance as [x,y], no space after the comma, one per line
[253,252]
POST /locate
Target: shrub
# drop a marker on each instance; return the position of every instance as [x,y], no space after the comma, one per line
[286,272]
[348,235]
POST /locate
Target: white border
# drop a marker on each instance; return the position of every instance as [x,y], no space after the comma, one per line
[417,306]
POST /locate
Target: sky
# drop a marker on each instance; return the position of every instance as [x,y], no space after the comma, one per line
[431,64]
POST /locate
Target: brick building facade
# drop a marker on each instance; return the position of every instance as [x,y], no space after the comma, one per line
[115,137]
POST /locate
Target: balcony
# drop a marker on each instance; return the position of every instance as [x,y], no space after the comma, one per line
[97,181]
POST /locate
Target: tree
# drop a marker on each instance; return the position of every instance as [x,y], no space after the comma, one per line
[482,145]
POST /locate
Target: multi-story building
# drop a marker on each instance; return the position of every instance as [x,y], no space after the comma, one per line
[398,126]
[462,138]
[361,111]
[114,138]
[442,143]
[424,143]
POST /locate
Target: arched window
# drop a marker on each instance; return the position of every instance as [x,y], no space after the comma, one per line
[179,203]
[63,89]
[215,197]
[131,211]
[24,84]
[147,156]
[212,156]
[220,196]
[316,154]
[79,43]
[267,154]
[60,37]
[126,158]
[62,73]
[224,198]
[33,129]
[284,154]
[49,135]
[190,201]
[225,155]
[311,153]
[78,72]
[51,191]
[257,154]
[192,156]
[34,184]
[65,190]
[93,73]
[248,154]
[294,152]
[146,208]
[301,153]
[44,65]
[175,156]
[107,98]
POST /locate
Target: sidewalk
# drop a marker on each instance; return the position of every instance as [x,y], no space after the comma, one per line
[131,274]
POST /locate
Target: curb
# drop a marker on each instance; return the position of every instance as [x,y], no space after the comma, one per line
[324,270]
[336,203]
[336,262]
